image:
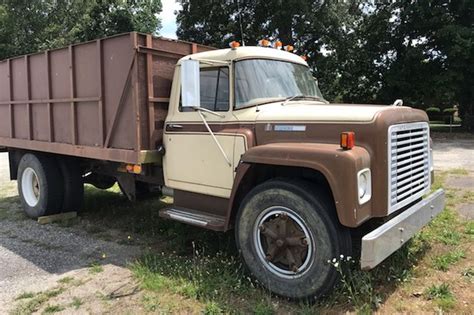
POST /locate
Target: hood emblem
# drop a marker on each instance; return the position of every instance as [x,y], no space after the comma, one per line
[290,127]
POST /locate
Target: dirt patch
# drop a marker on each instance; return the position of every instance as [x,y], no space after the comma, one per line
[465,182]
[466,211]
[110,290]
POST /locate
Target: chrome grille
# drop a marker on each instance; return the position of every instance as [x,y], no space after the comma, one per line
[408,163]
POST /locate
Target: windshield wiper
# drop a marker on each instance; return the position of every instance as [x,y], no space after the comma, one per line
[300,96]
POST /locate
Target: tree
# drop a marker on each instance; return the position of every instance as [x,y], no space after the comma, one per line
[307,25]
[420,51]
[29,26]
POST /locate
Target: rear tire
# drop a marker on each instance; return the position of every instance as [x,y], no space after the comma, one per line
[286,235]
[40,185]
[73,185]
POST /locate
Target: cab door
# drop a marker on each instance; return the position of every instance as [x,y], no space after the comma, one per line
[195,161]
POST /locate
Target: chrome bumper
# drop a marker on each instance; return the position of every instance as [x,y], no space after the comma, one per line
[387,238]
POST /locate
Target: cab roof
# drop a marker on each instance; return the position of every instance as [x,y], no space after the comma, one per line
[246,52]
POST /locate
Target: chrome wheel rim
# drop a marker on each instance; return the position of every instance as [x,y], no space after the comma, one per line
[30,187]
[284,244]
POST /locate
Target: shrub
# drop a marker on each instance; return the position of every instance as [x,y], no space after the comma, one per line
[433,110]
[449,111]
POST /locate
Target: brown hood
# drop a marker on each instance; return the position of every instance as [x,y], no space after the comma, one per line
[371,135]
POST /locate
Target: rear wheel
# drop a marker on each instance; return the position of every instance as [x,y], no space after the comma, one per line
[73,185]
[286,235]
[39,185]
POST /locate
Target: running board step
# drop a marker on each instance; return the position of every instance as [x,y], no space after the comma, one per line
[194,217]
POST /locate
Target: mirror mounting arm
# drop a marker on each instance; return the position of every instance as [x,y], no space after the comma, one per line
[214,136]
[198,108]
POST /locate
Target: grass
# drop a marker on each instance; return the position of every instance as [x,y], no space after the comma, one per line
[76,303]
[442,295]
[31,303]
[213,273]
[25,295]
[66,280]
[443,262]
[51,309]
[95,268]
[184,263]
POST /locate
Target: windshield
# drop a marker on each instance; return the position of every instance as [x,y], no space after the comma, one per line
[259,81]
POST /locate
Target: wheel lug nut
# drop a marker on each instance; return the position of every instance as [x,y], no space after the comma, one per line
[280,243]
[304,242]
[269,257]
[262,228]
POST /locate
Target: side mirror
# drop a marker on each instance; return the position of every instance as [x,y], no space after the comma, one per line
[190,83]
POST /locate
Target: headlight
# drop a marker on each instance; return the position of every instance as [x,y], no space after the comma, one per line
[364,185]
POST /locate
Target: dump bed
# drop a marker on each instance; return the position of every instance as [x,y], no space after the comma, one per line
[105,99]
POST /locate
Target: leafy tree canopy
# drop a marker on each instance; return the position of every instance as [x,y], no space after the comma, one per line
[29,26]
[420,51]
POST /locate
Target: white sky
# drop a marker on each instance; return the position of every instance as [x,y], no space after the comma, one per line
[168,18]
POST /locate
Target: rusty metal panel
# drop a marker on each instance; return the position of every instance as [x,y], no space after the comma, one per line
[38,90]
[4,96]
[119,113]
[87,85]
[59,69]
[104,99]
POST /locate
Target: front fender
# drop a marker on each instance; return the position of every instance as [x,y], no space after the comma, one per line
[339,167]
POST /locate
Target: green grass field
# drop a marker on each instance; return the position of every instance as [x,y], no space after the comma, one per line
[183,262]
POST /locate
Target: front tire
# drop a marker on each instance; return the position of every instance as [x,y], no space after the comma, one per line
[39,185]
[286,235]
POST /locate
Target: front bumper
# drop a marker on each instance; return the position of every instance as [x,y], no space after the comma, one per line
[387,238]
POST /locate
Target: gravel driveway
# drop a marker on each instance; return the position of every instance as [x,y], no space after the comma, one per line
[458,153]
[34,257]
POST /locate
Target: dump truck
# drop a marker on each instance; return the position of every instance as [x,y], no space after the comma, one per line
[241,138]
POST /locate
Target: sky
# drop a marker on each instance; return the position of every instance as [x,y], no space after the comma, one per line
[168,18]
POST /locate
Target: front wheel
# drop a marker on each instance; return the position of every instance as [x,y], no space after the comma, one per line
[286,235]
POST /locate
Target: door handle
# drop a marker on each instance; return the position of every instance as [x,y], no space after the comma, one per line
[175,126]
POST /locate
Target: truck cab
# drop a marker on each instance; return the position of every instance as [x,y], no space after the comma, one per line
[250,136]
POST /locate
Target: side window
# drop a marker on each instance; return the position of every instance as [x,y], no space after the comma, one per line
[215,89]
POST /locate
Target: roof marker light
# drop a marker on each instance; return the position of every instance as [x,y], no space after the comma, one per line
[289,48]
[264,43]
[278,45]
[304,57]
[234,44]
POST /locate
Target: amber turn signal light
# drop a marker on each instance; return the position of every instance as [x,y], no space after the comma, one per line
[234,44]
[347,140]
[133,168]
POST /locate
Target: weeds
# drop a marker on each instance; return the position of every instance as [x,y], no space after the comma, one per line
[66,280]
[203,277]
[76,302]
[212,308]
[25,295]
[442,295]
[34,302]
[50,309]
[95,268]
[357,285]
[443,262]
[150,303]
